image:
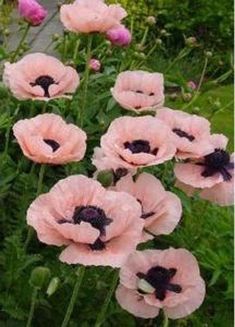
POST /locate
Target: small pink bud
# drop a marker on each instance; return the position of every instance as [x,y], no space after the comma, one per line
[191,85]
[95,65]
[32,11]
[119,35]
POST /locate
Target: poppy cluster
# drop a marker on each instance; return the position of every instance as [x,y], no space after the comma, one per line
[103,226]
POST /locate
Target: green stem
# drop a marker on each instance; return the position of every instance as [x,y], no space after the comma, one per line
[80,275]
[32,307]
[44,107]
[8,132]
[85,81]
[199,84]
[39,191]
[181,55]
[20,43]
[104,308]
[166,321]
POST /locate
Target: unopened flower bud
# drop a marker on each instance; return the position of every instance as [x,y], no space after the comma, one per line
[55,37]
[6,31]
[105,177]
[196,110]
[151,20]
[39,277]
[158,41]
[173,96]
[95,65]
[208,54]
[119,36]
[191,41]
[187,97]
[191,85]
[32,11]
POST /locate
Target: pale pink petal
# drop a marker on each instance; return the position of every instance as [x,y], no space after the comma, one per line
[191,174]
[134,303]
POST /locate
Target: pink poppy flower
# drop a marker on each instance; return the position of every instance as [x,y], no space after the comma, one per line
[214,168]
[49,139]
[192,133]
[40,77]
[91,16]
[134,142]
[98,227]
[104,163]
[32,11]
[139,90]
[221,194]
[161,210]
[153,279]
[119,35]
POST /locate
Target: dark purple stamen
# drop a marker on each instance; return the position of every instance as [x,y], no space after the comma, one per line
[93,215]
[139,91]
[217,162]
[138,146]
[151,94]
[53,144]
[181,133]
[138,107]
[160,278]
[145,215]
[98,245]
[44,81]
[119,173]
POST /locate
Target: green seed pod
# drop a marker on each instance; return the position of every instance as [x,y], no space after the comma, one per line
[53,286]
[105,177]
[39,277]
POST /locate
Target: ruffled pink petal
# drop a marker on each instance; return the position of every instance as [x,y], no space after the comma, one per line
[189,190]
[136,262]
[128,129]
[115,254]
[20,76]
[139,90]
[193,299]
[191,174]
[123,215]
[31,133]
[134,303]
[167,216]
[222,193]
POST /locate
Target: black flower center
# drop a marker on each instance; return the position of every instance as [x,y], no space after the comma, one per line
[218,161]
[53,144]
[138,146]
[44,81]
[160,279]
[119,173]
[93,215]
[145,215]
[181,133]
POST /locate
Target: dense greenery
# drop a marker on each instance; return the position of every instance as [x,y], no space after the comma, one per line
[205,229]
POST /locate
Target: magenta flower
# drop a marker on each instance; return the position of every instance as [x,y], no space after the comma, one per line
[191,85]
[119,35]
[32,11]
[95,65]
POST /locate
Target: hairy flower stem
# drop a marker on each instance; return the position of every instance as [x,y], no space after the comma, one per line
[85,82]
[107,300]
[15,54]
[39,191]
[8,132]
[32,307]
[80,274]
[166,321]
[199,84]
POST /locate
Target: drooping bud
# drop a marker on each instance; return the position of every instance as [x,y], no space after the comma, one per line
[39,277]
[53,286]
[95,65]
[119,35]
[32,11]
[105,177]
